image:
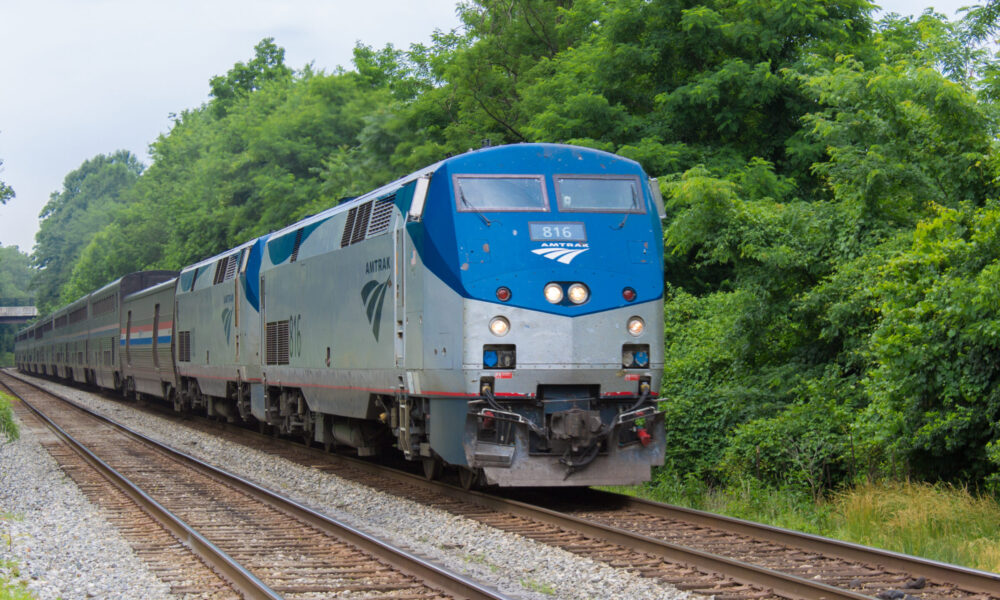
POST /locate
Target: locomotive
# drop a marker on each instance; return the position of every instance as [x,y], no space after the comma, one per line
[499,312]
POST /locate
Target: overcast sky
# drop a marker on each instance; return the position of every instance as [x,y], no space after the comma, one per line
[80,78]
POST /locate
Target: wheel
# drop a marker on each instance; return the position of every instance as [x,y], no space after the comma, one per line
[432,468]
[467,477]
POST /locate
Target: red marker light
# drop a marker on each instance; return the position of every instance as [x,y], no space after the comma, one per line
[487,420]
[629,294]
[503,294]
[644,437]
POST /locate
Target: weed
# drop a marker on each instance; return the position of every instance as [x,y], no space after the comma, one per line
[11,589]
[541,588]
[941,522]
[8,426]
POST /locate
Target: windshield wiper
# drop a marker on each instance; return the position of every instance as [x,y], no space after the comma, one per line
[635,204]
[461,196]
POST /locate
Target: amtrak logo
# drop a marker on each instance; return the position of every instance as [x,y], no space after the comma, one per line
[563,252]
[373,297]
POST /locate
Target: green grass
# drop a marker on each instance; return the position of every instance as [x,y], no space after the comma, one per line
[939,522]
[936,521]
[8,427]
[12,590]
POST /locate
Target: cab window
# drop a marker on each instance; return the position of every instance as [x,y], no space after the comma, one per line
[599,193]
[474,193]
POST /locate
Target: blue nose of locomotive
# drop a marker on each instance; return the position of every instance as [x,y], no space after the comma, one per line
[578,236]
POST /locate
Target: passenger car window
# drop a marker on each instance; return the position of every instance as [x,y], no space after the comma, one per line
[474,193]
[597,193]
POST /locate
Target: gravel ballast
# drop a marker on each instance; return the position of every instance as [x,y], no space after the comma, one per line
[59,544]
[515,565]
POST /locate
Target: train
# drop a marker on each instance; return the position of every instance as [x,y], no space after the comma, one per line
[498,313]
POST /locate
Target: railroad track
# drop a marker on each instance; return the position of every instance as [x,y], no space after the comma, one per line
[696,551]
[215,535]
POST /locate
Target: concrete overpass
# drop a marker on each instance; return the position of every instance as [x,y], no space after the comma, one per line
[17,314]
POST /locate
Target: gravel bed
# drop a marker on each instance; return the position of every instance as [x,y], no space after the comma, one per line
[54,541]
[515,565]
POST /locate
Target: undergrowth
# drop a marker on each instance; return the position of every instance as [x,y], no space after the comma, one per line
[939,522]
[8,427]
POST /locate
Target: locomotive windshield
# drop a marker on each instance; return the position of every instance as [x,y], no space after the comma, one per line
[599,194]
[504,193]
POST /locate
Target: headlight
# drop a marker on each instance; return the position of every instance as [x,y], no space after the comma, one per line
[554,293]
[636,326]
[578,293]
[499,326]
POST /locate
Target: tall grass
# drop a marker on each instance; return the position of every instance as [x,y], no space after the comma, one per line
[8,427]
[935,521]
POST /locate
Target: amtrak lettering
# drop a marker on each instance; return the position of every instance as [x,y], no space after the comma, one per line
[376,265]
[563,252]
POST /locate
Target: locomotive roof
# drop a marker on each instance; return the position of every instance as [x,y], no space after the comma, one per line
[500,151]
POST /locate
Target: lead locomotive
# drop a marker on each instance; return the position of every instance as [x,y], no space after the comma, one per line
[499,312]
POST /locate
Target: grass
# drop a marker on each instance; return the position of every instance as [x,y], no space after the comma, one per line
[8,427]
[12,590]
[936,521]
[939,522]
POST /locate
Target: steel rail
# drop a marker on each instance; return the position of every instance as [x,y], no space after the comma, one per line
[453,584]
[969,579]
[243,580]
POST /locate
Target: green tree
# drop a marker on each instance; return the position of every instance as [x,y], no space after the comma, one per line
[267,65]
[90,197]
[6,193]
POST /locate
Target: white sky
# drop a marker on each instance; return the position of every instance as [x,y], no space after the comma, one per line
[80,78]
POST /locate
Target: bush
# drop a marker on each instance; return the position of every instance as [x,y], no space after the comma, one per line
[804,446]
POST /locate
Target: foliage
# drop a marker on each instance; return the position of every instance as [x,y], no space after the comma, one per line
[935,390]
[6,192]
[9,431]
[88,202]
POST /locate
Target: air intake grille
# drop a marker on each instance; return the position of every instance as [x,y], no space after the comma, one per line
[345,240]
[381,215]
[183,346]
[361,222]
[277,343]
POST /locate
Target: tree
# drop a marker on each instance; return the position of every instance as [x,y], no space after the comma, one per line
[267,65]
[88,201]
[6,193]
